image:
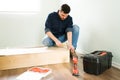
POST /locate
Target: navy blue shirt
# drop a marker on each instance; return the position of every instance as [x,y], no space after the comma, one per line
[57,26]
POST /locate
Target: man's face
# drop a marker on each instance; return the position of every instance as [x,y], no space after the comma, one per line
[62,15]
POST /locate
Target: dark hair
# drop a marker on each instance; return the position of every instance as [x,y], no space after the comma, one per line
[65,8]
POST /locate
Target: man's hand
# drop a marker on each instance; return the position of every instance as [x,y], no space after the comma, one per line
[70,47]
[58,43]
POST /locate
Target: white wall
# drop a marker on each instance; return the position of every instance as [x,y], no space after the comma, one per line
[99,22]
[20,29]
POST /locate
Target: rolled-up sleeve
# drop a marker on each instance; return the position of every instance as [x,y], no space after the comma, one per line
[68,30]
[47,30]
[48,24]
[69,25]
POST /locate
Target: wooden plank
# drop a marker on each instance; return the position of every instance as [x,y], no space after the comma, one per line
[51,55]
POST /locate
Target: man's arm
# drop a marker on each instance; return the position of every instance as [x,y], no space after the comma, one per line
[69,37]
[48,28]
[57,42]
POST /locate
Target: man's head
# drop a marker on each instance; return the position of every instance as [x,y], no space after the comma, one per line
[64,11]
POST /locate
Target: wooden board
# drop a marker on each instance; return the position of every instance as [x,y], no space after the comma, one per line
[47,56]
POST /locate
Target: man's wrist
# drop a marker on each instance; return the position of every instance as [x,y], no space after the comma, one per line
[69,44]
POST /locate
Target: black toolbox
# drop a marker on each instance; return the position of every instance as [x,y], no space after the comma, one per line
[97,62]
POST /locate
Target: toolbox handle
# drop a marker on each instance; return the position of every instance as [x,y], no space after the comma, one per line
[100,53]
[103,53]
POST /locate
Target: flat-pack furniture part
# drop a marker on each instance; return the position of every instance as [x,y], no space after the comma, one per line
[37,57]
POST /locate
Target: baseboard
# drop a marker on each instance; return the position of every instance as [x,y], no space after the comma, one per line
[116,65]
[80,51]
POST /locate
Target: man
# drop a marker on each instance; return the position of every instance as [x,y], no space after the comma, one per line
[59,28]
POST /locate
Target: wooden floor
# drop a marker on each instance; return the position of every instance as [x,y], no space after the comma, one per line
[63,72]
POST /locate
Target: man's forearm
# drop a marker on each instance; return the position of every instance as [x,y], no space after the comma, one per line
[52,36]
[69,37]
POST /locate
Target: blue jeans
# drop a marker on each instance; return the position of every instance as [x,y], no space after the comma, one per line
[75,34]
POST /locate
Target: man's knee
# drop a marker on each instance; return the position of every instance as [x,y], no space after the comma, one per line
[44,42]
[76,28]
[47,42]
